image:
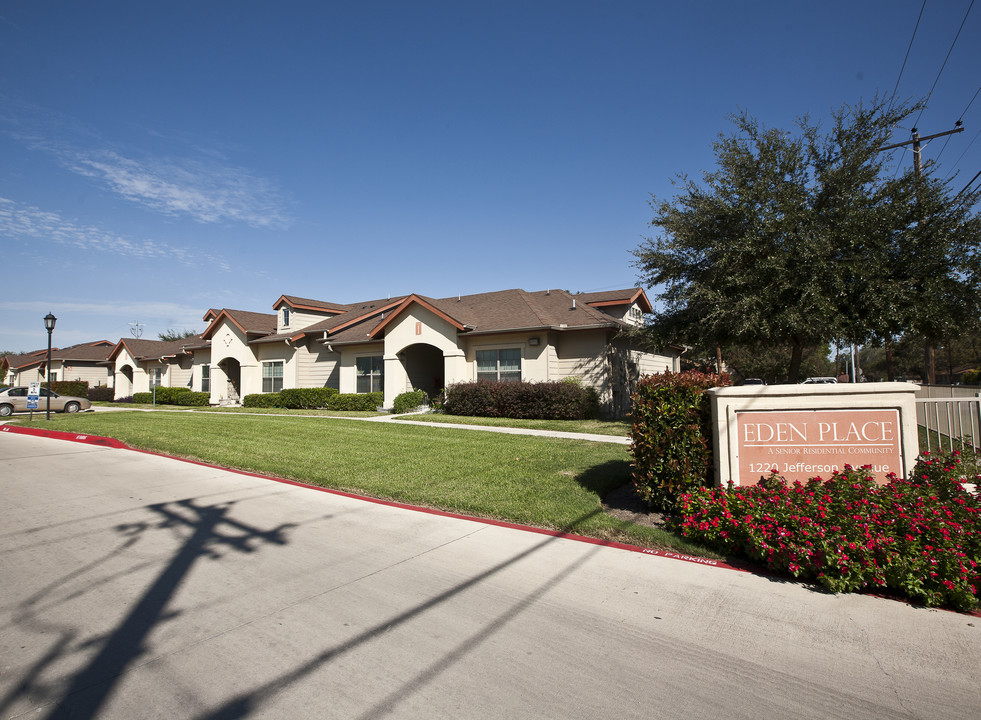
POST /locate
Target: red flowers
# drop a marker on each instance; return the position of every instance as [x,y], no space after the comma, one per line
[921,536]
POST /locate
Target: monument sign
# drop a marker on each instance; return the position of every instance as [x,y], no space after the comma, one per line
[805,431]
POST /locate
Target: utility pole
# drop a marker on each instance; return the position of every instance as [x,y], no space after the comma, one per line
[929,354]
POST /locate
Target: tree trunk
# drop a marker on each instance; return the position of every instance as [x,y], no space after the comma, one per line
[929,364]
[890,367]
[718,359]
[796,355]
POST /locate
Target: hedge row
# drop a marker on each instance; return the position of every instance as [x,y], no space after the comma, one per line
[306,398]
[672,435]
[75,388]
[329,399]
[173,396]
[524,400]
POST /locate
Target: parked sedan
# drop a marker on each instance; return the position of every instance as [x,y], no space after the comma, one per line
[14,399]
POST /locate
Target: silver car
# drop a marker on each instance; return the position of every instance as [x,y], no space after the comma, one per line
[14,399]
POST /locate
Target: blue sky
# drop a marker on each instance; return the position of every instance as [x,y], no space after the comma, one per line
[160,159]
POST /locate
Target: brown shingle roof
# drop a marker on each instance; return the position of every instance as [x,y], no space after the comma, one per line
[153,349]
[498,311]
[251,323]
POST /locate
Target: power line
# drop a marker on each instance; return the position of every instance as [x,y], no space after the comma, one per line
[971,182]
[963,113]
[919,17]
[926,102]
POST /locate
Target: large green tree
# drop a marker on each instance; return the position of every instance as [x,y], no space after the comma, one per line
[802,238]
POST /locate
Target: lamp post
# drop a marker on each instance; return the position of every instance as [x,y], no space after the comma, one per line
[49,325]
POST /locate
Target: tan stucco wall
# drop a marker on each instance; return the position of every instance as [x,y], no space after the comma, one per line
[299,319]
[230,342]
[94,375]
[317,366]
[141,381]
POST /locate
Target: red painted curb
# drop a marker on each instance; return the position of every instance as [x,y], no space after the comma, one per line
[116,444]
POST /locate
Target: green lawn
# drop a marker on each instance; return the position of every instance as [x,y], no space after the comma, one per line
[545,482]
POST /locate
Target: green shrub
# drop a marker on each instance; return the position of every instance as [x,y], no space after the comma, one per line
[75,388]
[920,537]
[672,435]
[143,397]
[195,399]
[261,400]
[170,395]
[566,400]
[971,377]
[306,398]
[408,401]
[101,393]
[357,401]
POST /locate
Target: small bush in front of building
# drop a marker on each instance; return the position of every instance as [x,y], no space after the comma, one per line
[306,398]
[143,397]
[170,395]
[194,399]
[261,400]
[672,435]
[75,388]
[102,393]
[522,400]
[125,399]
[409,401]
[971,377]
[356,401]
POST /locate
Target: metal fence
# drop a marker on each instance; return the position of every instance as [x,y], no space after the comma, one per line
[949,423]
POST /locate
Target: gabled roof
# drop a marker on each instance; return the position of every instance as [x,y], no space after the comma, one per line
[154,349]
[298,303]
[618,297]
[250,323]
[23,361]
[94,351]
[493,312]
[405,304]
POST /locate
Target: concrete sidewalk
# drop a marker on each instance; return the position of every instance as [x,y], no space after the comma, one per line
[140,586]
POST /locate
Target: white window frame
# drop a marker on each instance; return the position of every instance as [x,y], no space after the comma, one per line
[270,380]
[205,378]
[512,375]
[375,375]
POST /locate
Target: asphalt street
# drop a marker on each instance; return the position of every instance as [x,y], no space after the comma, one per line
[138,586]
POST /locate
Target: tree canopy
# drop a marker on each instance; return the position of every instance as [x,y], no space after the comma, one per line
[173,334]
[801,238]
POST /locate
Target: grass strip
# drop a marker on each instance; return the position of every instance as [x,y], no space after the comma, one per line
[543,482]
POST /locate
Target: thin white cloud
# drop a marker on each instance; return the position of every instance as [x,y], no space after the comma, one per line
[18,220]
[203,187]
[207,192]
[151,310]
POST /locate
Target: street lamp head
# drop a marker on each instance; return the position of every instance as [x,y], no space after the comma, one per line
[49,322]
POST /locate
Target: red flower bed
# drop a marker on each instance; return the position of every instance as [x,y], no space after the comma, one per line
[920,537]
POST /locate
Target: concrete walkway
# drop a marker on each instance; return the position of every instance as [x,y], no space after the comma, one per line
[138,586]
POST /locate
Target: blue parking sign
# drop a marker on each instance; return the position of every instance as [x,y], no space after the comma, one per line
[33,391]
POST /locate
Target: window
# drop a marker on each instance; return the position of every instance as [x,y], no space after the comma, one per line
[205,378]
[272,376]
[503,365]
[371,374]
[286,317]
[156,377]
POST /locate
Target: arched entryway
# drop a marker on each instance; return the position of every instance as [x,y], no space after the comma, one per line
[424,368]
[233,376]
[124,385]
